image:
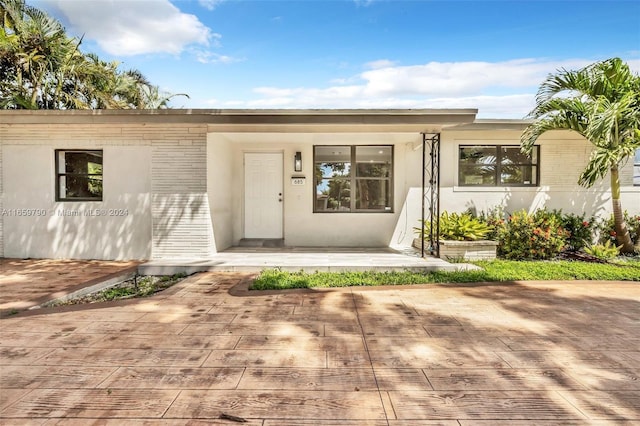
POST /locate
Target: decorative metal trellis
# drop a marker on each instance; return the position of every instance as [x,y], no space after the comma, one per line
[431,193]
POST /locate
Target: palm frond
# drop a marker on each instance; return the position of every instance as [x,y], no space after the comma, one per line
[557,121]
[601,102]
[600,163]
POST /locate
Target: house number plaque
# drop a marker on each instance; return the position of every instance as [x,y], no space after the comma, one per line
[298,181]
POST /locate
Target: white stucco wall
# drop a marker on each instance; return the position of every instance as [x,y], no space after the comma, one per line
[71,229]
[220,190]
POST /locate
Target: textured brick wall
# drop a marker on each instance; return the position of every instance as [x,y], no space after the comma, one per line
[181,219]
[561,162]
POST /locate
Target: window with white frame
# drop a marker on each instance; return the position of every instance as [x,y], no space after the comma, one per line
[353,178]
[497,165]
[78,175]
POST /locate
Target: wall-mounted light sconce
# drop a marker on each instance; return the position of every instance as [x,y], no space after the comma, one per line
[297,162]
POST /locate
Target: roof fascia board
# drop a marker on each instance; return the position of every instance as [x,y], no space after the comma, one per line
[326,128]
[491,124]
[242,118]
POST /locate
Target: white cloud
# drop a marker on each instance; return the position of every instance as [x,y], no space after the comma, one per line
[381,63]
[134,27]
[634,64]
[459,78]
[494,106]
[208,57]
[498,89]
[210,4]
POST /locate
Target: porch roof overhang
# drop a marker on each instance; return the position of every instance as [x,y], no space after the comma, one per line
[344,121]
[261,120]
[496,124]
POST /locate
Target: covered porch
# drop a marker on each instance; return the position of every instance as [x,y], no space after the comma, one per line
[323,179]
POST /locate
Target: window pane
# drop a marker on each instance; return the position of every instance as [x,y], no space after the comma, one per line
[373,170]
[518,175]
[373,194]
[332,154]
[95,186]
[82,162]
[373,161]
[478,155]
[477,175]
[378,154]
[94,168]
[333,195]
[328,170]
[82,186]
[513,155]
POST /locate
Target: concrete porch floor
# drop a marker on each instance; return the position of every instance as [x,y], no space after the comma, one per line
[308,259]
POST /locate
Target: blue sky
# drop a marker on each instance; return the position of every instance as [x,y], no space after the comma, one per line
[489,55]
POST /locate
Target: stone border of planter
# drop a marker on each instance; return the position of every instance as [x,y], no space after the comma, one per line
[465,250]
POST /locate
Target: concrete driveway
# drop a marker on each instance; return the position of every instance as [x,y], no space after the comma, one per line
[522,353]
[28,283]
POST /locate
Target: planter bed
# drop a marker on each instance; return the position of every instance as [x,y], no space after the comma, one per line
[465,250]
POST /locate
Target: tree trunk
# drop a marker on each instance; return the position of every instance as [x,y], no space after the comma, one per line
[622,232]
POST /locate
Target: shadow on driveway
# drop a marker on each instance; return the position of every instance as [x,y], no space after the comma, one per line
[27,283]
[552,353]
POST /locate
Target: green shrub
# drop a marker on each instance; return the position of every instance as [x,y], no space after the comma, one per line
[580,229]
[531,236]
[607,231]
[458,227]
[604,251]
[495,219]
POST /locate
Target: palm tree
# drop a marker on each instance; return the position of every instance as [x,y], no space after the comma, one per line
[101,86]
[153,98]
[33,47]
[601,102]
[43,68]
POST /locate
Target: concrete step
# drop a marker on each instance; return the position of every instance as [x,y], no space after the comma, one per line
[296,259]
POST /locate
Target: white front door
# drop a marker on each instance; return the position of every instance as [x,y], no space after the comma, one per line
[263,195]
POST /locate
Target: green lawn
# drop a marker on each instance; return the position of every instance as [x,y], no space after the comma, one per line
[498,270]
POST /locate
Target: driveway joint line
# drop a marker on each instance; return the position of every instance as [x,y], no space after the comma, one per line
[171,404]
[373,370]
